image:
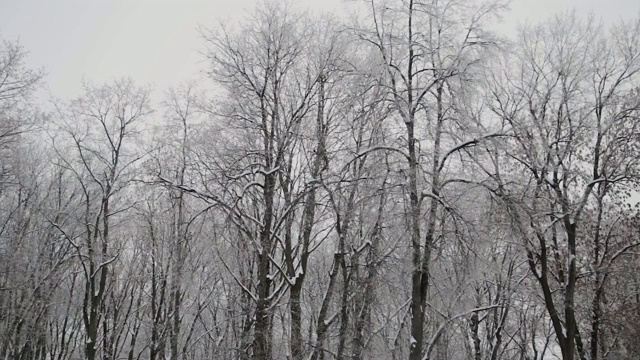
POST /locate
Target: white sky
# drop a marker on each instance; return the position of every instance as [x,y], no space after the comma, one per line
[156,41]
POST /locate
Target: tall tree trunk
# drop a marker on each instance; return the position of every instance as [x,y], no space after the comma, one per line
[343,226]
[344,305]
[308,220]
[417,310]
[262,327]
[180,237]
[364,315]
[596,304]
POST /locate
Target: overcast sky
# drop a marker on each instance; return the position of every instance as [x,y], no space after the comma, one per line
[156,41]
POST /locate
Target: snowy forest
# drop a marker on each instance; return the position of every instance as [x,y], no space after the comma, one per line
[399,183]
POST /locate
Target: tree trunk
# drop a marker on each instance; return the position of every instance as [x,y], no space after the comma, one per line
[363,321]
[262,327]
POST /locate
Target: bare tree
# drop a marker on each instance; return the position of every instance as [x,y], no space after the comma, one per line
[17,86]
[264,66]
[565,103]
[96,146]
[427,55]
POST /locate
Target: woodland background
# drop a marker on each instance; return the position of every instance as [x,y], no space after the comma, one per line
[402,185]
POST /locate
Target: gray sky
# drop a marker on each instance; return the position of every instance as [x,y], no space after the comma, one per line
[156,41]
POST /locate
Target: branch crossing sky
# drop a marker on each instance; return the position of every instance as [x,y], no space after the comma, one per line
[156,42]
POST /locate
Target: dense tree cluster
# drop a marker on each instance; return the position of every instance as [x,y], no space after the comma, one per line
[402,185]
